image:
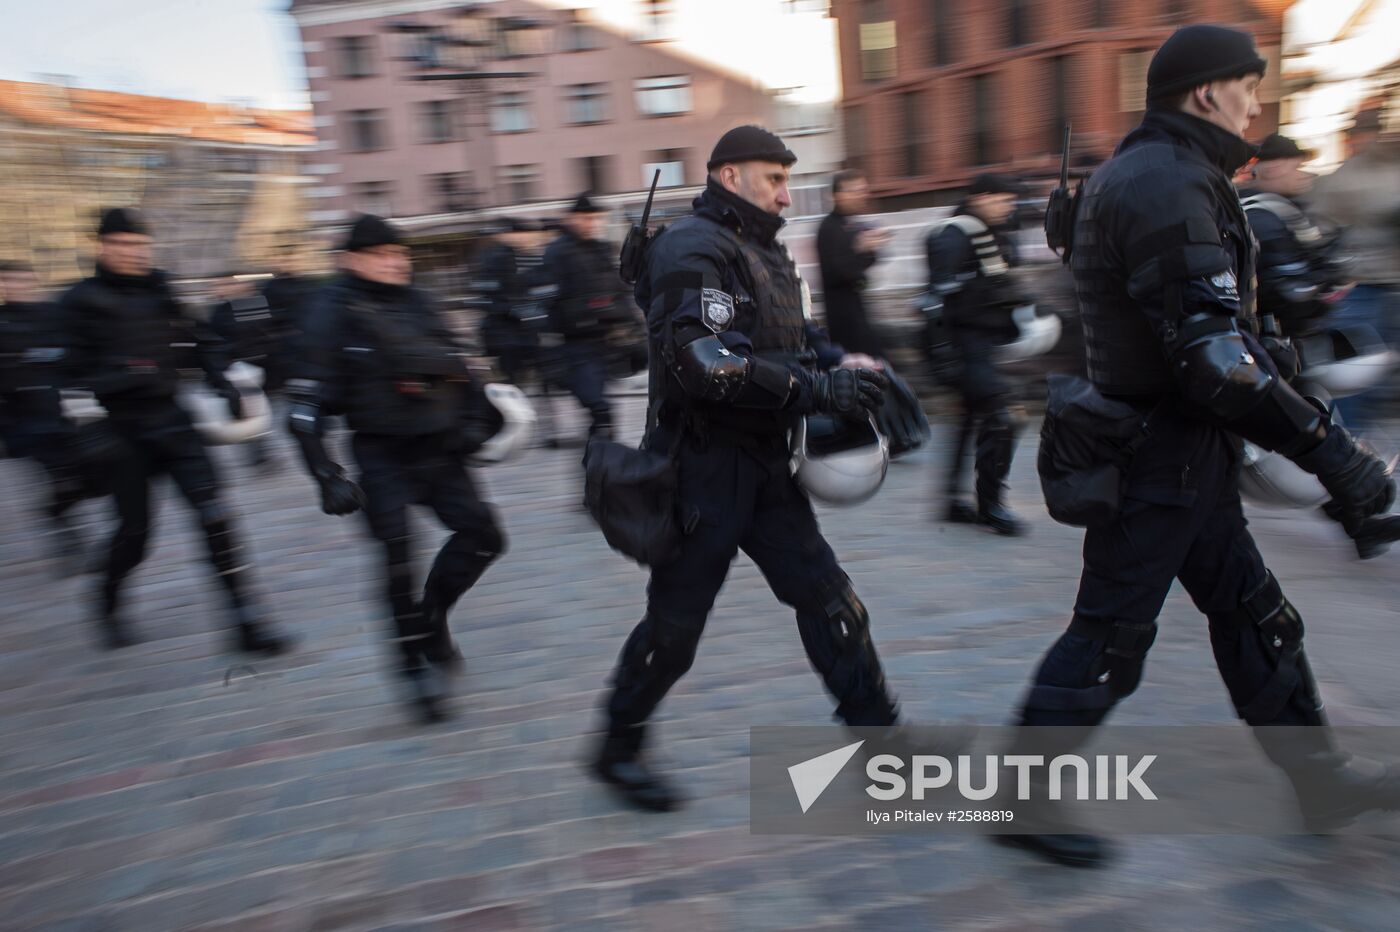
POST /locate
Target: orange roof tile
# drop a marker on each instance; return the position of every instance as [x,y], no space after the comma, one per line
[133,114]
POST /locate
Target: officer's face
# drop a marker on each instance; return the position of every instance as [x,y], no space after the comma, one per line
[587,226]
[383,265]
[993,209]
[1236,103]
[1284,176]
[762,184]
[125,253]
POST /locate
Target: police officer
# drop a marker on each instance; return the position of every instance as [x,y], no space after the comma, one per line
[125,337]
[378,352]
[1164,267]
[32,423]
[509,275]
[969,273]
[1300,278]
[584,302]
[729,337]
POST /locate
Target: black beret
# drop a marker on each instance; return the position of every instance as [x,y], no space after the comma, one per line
[749,144]
[122,220]
[584,205]
[1196,55]
[1278,146]
[370,231]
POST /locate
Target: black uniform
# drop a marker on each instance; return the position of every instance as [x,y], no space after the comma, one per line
[1297,265]
[510,327]
[1164,267]
[126,336]
[969,274]
[728,342]
[32,424]
[843,269]
[382,356]
[584,303]
[288,299]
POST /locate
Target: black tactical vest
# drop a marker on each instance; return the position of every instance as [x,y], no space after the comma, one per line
[773,317]
[1124,354]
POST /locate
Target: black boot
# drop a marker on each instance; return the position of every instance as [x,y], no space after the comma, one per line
[439,648]
[252,635]
[425,692]
[113,631]
[1332,794]
[999,518]
[620,764]
[960,512]
[1376,535]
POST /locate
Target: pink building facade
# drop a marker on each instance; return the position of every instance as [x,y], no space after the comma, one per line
[590,108]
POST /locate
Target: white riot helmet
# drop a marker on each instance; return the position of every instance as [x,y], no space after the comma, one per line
[517,425]
[1273,481]
[839,461]
[1344,360]
[81,407]
[209,410]
[1037,334]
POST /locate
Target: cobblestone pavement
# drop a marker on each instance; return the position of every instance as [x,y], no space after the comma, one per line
[169,786]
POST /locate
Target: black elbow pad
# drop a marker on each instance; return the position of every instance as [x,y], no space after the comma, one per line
[708,371]
[1216,369]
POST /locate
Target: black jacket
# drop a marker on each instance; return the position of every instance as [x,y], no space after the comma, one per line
[1160,236]
[127,337]
[721,270]
[1296,264]
[587,297]
[843,270]
[971,274]
[382,356]
[31,361]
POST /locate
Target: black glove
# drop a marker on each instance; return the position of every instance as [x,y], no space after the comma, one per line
[1355,477]
[339,496]
[229,392]
[848,391]
[1284,355]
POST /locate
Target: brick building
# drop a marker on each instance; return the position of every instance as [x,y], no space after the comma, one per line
[600,93]
[220,184]
[938,90]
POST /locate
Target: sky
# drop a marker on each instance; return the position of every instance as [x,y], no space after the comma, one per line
[245,51]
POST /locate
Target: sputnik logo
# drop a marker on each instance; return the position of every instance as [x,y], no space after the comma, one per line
[811,777]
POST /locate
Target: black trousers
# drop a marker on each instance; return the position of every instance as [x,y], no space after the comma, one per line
[986,397]
[585,374]
[52,444]
[396,472]
[746,499]
[1182,520]
[159,439]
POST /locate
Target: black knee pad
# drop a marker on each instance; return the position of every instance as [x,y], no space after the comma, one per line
[1277,633]
[1105,669]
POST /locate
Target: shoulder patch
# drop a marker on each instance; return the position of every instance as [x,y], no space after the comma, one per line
[716,309]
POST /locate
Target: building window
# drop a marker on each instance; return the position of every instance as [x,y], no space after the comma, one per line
[1059,101]
[940,46]
[520,38]
[594,175]
[520,182]
[450,191]
[372,197]
[1132,80]
[577,35]
[912,133]
[437,121]
[658,20]
[356,56]
[671,163]
[367,132]
[511,113]
[663,96]
[984,119]
[877,41]
[1018,25]
[585,103]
